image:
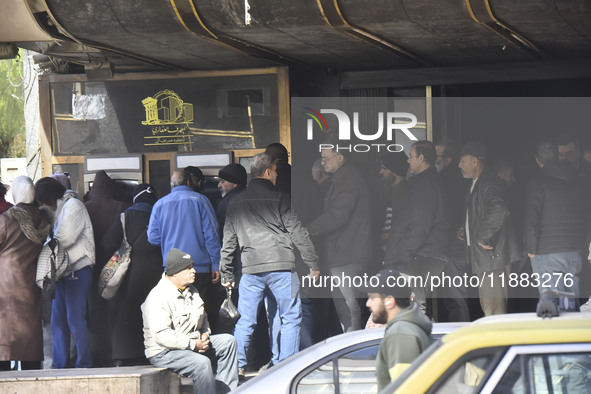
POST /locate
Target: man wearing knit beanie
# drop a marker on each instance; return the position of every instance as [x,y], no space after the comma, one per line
[183,342]
[231,176]
[232,183]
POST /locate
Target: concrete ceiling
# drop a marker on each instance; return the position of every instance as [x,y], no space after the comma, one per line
[340,35]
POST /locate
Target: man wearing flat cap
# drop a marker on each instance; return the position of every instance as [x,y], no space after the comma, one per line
[195,178]
[492,244]
[408,329]
[177,334]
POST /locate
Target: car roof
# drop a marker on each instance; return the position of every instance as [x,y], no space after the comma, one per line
[523,328]
[496,332]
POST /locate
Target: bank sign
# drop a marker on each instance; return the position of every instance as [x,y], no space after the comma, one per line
[356,125]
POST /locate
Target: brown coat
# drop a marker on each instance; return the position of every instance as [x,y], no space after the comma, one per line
[23,229]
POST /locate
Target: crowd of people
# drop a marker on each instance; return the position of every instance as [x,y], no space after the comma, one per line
[448,211]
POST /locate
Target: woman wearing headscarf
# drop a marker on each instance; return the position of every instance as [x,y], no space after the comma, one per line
[73,230]
[23,230]
[143,274]
[64,179]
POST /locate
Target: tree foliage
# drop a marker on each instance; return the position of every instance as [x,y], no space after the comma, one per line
[12,116]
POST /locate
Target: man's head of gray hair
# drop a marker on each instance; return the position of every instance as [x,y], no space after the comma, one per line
[261,163]
[179,178]
[547,152]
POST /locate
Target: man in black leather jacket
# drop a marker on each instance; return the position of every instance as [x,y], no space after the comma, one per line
[556,217]
[418,244]
[488,230]
[261,222]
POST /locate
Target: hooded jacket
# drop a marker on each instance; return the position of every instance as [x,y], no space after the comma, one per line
[407,335]
[261,221]
[23,230]
[490,224]
[556,213]
[144,272]
[103,209]
[73,230]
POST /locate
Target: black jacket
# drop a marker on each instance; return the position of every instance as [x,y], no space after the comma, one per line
[491,225]
[345,221]
[222,208]
[423,226]
[102,209]
[556,213]
[144,272]
[261,221]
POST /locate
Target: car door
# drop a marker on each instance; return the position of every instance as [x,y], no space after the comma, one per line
[524,369]
[349,371]
[556,369]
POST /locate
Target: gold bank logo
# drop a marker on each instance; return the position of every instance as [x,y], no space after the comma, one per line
[169,117]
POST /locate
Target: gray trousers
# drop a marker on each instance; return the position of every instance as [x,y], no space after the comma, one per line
[347,307]
[198,366]
[493,296]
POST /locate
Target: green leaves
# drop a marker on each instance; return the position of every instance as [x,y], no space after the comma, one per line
[12,116]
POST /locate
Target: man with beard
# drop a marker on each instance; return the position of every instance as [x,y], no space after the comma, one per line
[408,330]
[232,182]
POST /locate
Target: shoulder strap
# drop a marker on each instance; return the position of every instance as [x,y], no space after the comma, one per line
[123,224]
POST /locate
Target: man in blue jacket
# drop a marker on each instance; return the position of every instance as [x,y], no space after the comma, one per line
[185,219]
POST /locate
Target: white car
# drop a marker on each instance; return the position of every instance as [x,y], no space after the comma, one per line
[344,363]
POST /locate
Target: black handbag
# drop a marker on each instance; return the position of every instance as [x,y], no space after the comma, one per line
[228,315]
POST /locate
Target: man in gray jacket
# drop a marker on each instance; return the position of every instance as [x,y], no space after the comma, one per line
[177,334]
[261,221]
[345,229]
[556,216]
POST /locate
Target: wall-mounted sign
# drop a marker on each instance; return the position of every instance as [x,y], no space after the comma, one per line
[190,112]
[168,117]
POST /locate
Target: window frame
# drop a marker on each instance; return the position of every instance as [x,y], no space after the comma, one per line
[533,349]
[332,357]
[496,352]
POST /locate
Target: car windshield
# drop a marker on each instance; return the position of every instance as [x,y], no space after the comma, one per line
[415,364]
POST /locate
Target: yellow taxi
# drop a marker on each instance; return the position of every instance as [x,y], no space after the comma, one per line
[514,353]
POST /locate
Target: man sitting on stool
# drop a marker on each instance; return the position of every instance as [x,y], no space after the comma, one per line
[177,334]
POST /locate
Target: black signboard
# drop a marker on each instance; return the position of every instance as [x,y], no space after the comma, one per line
[165,115]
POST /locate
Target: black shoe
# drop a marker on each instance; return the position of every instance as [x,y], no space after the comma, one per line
[266,366]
